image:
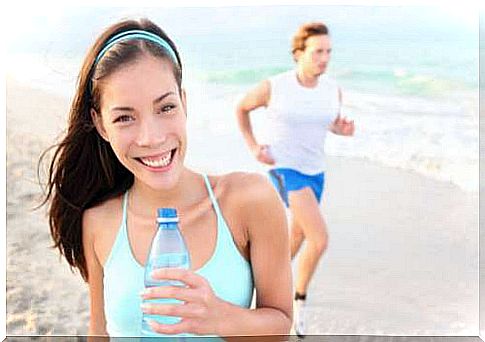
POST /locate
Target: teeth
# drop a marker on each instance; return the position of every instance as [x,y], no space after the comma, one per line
[158,162]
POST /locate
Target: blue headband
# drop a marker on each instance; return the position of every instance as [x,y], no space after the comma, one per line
[136,34]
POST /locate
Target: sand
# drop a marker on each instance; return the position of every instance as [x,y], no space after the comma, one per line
[402,258]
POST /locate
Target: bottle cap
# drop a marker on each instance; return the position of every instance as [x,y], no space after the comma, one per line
[167,215]
[167,212]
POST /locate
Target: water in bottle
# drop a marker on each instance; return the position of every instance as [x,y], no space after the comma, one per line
[168,249]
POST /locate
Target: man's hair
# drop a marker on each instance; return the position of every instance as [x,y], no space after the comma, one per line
[306,31]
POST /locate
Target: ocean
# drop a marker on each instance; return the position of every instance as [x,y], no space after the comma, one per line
[409,75]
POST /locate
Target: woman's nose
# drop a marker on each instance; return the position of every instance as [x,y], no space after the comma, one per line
[150,133]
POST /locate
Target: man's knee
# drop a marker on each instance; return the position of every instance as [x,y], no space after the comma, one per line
[319,242]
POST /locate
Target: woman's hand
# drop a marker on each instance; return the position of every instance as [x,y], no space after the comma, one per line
[201,311]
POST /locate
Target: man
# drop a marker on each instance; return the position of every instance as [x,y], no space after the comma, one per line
[302,105]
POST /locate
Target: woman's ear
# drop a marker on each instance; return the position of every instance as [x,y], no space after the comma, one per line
[98,123]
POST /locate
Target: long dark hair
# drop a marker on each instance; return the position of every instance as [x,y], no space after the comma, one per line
[84,171]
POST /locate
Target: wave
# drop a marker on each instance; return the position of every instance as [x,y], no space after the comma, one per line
[394,80]
[241,76]
[402,81]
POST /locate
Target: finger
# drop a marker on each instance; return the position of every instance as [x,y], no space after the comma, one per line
[266,155]
[173,310]
[183,326]
[350,130]
[267,159]
[187,277]
[175,292]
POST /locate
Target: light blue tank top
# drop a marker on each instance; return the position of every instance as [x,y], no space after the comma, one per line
[227,271]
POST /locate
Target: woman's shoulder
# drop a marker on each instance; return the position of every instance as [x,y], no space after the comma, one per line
[104,213]
[246,187]
[252,201]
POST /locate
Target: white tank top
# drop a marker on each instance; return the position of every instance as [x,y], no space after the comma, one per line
[298,120]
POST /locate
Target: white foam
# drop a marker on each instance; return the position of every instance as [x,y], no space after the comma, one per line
[434,137]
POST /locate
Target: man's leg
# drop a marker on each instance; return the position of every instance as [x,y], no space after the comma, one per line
[307,224]
[306,213]
[296,236]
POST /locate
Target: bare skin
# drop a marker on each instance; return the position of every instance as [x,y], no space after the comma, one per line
[307,224]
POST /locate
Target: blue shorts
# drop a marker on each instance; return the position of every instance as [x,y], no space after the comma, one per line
[286,180]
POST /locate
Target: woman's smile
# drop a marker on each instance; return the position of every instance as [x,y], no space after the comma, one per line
[159,162]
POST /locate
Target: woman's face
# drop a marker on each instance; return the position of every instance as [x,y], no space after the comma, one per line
[143,118]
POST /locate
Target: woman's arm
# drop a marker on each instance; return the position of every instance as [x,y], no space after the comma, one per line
[97,321]
[264,214]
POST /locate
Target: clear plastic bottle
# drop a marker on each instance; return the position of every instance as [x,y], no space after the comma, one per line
[168,249]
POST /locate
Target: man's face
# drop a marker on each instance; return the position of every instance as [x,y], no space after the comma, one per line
[314,59]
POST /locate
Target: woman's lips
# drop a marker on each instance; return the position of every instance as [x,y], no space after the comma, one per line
[158,162]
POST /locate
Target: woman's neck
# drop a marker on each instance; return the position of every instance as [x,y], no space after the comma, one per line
[145,200]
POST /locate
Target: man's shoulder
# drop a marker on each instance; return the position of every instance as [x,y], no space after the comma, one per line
[282,82]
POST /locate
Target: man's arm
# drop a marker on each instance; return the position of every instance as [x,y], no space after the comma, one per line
[257,97]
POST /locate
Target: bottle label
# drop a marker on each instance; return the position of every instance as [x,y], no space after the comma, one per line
[167,219]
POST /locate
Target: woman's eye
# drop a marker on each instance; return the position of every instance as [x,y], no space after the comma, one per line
[167,108]
[123,118]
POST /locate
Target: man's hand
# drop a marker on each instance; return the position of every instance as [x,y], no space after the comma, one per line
[342,126]
[262,154]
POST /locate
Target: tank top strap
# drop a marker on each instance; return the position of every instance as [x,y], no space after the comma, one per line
[212,197]
[125,205]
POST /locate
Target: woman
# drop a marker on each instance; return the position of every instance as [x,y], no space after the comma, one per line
[121,159]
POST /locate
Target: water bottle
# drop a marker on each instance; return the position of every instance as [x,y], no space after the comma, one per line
[168,249]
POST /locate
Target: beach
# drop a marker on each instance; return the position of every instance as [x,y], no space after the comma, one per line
[402,257]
